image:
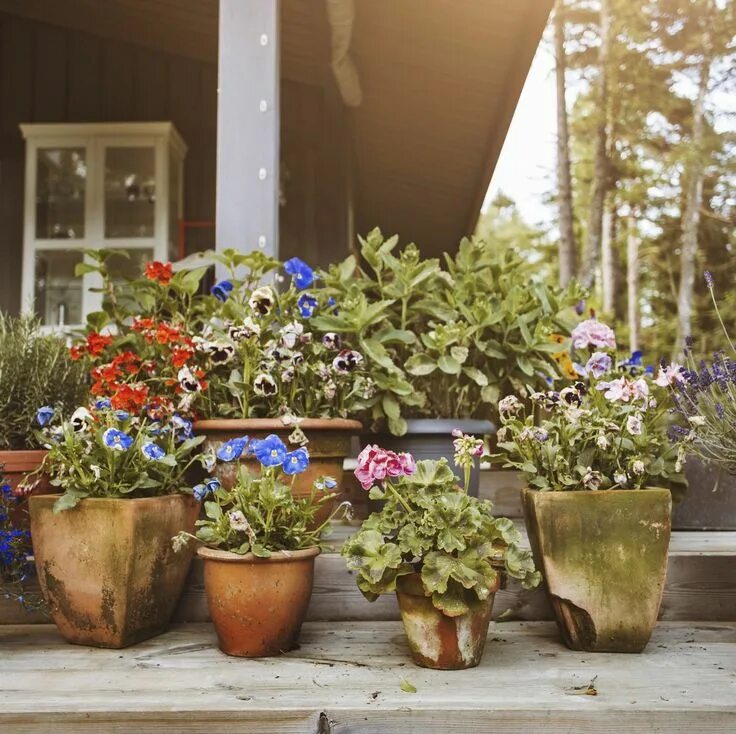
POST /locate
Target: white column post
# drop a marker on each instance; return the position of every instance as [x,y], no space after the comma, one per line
[248,126]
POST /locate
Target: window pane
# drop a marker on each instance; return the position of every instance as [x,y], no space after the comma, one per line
[58,291]
[61,177]
[130,192]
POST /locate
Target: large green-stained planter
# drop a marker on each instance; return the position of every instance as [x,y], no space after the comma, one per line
[603,556]
[107,568]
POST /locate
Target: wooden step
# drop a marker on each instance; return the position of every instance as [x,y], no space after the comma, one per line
[700,585]
[345,678]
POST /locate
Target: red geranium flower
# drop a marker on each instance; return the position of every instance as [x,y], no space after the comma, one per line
[158,271]
[130,398]
[96,343]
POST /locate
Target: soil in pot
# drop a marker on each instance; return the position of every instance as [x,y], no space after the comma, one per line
[258,605]
[432,439]
[603,556]
[107,568]
[329,444]
[436,640]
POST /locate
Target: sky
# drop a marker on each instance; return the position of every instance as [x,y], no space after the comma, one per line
[526,166]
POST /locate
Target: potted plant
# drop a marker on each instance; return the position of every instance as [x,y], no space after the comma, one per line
[443,344]
[242,358]
[103,547]
[439,549]
[703,394]
[35,369]
[597,507]
[258,544]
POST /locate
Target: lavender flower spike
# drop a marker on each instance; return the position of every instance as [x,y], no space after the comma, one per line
[708,279]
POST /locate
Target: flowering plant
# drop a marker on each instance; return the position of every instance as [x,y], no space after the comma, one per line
[705,398]
[103,452]
[429,525]
[15,553]
[259,514]
[608,430]
[245,349]
[447,342]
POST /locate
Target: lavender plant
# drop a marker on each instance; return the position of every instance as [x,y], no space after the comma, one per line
[704,395]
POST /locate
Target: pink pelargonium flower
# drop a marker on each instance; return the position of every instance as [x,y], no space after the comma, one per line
[593,333]
[376,465]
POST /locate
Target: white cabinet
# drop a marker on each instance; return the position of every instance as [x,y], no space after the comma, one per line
[96,185]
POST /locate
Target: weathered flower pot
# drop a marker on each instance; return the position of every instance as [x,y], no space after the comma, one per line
[432,439]
[603,556]
[106,567]
[329,444]
[15,465]
[436,640]
[258,605]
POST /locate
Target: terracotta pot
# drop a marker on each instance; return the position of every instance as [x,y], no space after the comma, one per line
[106,567]
[15,465]
[436,640]
[603,556]
[258,604]
[329,444]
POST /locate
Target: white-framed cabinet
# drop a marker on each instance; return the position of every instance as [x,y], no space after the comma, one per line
[91,186]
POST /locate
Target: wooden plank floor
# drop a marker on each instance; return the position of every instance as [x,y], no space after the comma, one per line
[346,679]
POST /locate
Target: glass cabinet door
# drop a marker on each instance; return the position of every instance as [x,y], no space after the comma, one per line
[61,184]
[129,192]
[58,292]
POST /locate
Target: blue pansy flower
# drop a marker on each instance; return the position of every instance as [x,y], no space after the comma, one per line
[152,451]
[271,451]
[307,305]
[330,482]
[208,486]
[222,290]
[232,449]
[117,440]
[182,426]
[296,462]
[209,460]
[121,415]
[103,404]
[44,415]
[301,274]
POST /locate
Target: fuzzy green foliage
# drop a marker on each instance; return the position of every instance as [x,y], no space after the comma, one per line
[430,526]
[35,370]
[447,342]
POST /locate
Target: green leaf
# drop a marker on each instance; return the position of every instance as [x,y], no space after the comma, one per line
[420,364]
[397,426]
[391,407]
[459,353]
[525,365]
[449,365]
[377,353]
[66,502]
[476,376]
[407,687]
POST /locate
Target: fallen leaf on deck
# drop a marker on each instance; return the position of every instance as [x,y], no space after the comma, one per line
[407,687]
[584,690]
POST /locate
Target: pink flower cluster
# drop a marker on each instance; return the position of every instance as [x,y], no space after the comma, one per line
[376,465]
[593,333]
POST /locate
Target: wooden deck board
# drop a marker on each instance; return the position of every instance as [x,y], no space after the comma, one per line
[350,674]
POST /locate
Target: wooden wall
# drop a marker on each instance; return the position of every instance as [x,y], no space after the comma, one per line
[50,74]
[53,74]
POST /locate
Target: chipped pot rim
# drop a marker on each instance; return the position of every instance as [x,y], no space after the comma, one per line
[212,554]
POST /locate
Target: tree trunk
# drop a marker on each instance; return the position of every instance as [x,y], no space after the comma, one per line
[632,284]
[567,247]
[601,164]
[608,260]
[693,202]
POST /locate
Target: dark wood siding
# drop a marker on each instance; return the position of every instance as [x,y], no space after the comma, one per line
[50,74]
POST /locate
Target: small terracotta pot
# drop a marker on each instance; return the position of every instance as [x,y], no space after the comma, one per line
[603,556]
[107,568]
[436,640]
[15,465]
[258,604]
[329,444]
